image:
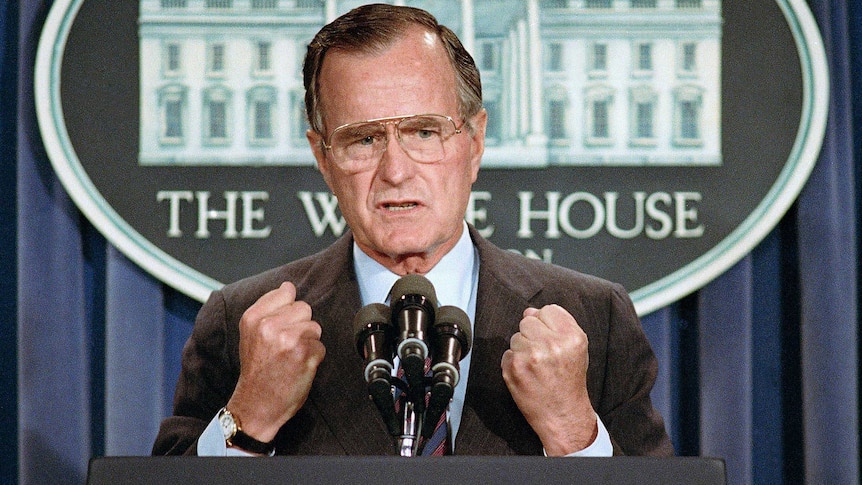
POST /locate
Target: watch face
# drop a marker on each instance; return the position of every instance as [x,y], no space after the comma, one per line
[228,425]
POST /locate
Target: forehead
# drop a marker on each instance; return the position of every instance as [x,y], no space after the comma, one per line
[413,75]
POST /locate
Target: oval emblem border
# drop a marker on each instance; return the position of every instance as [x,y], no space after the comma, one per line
[670,288]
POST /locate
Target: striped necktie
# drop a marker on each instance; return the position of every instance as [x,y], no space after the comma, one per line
[438,443]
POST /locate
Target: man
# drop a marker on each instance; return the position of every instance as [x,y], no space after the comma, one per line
[559,364]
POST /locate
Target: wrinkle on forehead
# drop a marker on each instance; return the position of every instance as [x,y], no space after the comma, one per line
[399,80]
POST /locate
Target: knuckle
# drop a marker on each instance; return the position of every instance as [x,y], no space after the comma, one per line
[252,314]
[302,309]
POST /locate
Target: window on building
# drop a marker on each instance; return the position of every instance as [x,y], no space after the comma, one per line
[488,56]
[557,114]
[644,120]
[216,116]
[689,57]
[216,58]
[644,56]
[261,103]
[689,4]
[687,124]
[555,3]
[218,3]
[264,4]
[298,119]
[643,3]
[555,57]
[173,3]
[601,119]
[173,119]
[689,129]
[264,56]
[262,120]
[642,116]
[557,120]
[599,57]
[173,60]
[599,106]
[598,3]
[171,114]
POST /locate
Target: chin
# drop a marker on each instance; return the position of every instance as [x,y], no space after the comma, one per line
[396,247]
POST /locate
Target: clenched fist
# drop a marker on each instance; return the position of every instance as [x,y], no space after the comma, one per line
[545,369]
[279,351]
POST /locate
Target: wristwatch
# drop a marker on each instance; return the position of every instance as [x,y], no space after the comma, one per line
[234,436]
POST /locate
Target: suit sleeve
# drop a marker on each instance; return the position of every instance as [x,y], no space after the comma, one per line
[635,426]
[207,378]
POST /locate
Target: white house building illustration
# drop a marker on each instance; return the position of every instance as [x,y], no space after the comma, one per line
[565,82]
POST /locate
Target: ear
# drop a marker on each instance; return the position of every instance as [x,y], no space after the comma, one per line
[315,140]
[477,136]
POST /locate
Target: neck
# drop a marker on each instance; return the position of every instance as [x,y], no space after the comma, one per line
[411,263]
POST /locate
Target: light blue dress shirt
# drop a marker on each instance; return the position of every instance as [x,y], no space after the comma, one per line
[455,279]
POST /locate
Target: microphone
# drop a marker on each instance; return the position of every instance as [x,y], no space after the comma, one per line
[374,335]
[413,303]
[451,340]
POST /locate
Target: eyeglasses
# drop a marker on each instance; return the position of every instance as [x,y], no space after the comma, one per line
[359,146]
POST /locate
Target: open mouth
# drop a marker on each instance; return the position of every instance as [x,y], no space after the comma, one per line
[402,206]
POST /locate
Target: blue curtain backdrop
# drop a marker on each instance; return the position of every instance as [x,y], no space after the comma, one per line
[760,367]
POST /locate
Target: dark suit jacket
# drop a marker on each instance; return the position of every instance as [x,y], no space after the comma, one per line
[339,419]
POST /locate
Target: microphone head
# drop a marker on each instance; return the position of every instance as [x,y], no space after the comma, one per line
[453,321]
[370,318]
[413,284]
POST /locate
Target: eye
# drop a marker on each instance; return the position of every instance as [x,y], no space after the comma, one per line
[361,136]
[426,133]
[365,140]
[422,129]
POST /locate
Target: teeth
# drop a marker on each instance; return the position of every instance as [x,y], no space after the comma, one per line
[399,207]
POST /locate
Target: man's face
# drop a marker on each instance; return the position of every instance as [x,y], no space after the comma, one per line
[399,208]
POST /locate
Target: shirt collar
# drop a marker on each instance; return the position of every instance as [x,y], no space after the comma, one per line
[451,277]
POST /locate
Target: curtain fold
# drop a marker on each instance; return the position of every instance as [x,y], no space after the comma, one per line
[725,327]
[9,249]
[54,397]
[659,329]
[135,349]
[828,259]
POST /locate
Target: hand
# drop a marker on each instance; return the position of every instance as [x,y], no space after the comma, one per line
[279,351]
[545,369]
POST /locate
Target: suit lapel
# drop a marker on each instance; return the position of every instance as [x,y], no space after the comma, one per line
[339,393]
[491,422]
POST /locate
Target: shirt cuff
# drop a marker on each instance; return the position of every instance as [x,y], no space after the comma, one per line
[600,447]
[211,442]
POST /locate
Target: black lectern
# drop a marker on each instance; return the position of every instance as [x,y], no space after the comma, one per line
[379,470]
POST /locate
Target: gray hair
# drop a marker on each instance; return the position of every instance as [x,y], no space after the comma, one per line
[373,28]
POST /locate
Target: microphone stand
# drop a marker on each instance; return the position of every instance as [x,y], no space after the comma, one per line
[408,441]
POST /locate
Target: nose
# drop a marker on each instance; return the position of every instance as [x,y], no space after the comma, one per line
[395,164]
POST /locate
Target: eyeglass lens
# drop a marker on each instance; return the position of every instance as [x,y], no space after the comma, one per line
[421,137]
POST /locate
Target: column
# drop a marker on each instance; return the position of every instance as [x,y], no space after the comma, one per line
[536,136]
[468,29]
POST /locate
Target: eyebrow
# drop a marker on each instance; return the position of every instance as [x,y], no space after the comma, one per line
[362,127]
